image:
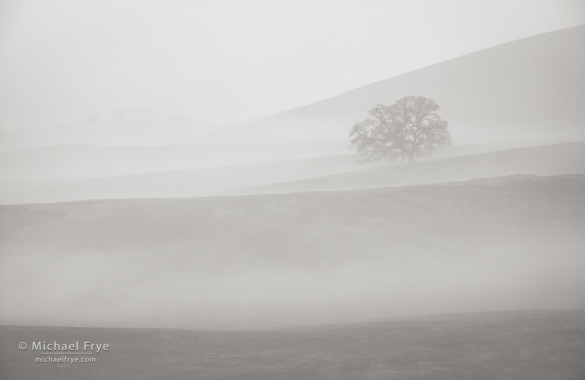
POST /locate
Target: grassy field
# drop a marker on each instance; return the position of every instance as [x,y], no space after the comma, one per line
[522,345]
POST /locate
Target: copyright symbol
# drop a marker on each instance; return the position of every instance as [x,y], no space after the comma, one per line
[22,346]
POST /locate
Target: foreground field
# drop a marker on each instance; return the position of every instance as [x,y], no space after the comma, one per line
[525,345]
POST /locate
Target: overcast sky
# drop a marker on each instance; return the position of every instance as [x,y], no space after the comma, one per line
[218,61]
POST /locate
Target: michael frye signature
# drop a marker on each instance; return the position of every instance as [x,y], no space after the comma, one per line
[84,347]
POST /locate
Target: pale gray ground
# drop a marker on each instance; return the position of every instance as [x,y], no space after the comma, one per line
[535,345]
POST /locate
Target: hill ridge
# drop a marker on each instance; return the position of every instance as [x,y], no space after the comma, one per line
[474,91]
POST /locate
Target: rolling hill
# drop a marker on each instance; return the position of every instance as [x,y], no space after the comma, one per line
[290,259]
[183,183]
[540,160]
[338,172]
[533,87]
[87,161]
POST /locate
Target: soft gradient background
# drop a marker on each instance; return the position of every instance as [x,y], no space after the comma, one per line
[222,61]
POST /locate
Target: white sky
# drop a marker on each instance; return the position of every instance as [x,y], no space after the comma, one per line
[218,61]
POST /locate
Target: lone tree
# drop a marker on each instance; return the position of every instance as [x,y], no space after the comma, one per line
[407,129]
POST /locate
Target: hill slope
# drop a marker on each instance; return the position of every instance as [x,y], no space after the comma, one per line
[184,183]
[541,160]
[502,243]
[528,88]
[87,161]
[339,172]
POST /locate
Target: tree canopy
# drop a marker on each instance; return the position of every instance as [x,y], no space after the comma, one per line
[407,129]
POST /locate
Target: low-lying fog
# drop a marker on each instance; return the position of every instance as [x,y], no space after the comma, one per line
[260,261]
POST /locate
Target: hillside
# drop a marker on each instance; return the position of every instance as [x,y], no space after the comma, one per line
[289,259]
[527,345]
[540,160]
[528,88]
[183,183]
[87,161]
[337,172]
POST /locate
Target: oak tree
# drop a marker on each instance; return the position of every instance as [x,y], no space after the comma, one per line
[407,129]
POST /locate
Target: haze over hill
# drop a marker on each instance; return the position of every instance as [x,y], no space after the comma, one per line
[9,142]
[183,183]
[87,161]
[525,89]
[540,160]
[309,174]
[120,126]
[503,243]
